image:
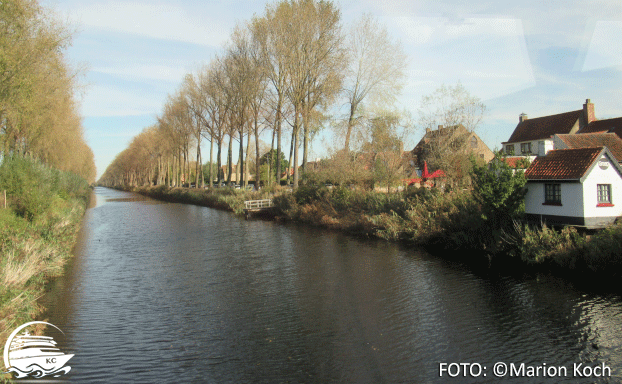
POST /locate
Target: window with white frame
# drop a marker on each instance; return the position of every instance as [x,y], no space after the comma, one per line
[525,148]
[552,193]
[604,193]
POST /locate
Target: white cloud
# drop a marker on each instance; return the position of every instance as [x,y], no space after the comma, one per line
[415,29]
[488,55]
[160,21]
[104,100]
[173,74]
[485,26]
[605,46]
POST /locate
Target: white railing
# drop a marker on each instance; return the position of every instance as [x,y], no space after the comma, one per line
[258,204]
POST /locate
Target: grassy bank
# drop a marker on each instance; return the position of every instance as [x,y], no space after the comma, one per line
[228,199]
[37,232]
[454,225]
[451,224]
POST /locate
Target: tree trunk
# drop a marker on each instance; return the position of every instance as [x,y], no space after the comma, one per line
[168,173]
[241,160]
[305,141]
[270,159]
[295,145]
[219,161]
[229,160]
[246,171]
[279,105]
[197,168]
[350,126]
[211,159]
[187,160]
[257,170]
[291,149]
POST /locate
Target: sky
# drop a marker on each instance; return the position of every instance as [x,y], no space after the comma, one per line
[532,57]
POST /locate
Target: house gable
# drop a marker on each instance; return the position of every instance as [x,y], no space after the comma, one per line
[604,156]
[577,176]
[448,137]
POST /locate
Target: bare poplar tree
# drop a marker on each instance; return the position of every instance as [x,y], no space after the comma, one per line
[272,37]
[315,60]
[213,85]
[375,72]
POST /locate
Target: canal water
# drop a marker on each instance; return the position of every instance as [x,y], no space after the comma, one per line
[161,292]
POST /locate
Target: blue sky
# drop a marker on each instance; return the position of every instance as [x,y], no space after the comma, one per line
[534,57]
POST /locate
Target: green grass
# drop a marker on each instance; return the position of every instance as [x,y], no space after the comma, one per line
[229,199]
[37,233]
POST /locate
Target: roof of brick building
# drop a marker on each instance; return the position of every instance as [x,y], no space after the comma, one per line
[586,140]
[514,161]
[544,127]
[606,125]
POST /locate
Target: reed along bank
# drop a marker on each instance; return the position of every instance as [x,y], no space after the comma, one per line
[38,229]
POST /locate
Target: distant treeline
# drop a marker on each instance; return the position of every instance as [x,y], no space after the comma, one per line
[39,117]
[281,72]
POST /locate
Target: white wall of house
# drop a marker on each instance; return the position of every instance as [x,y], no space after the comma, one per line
[580,200]
[603,173]
[571,195]
[558,143]
[535,147]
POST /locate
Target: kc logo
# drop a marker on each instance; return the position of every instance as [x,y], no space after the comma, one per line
[27,355]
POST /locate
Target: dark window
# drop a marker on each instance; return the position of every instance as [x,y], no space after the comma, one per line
[525,148]
[473,142]
[604,193]
[509,149]
[552,193]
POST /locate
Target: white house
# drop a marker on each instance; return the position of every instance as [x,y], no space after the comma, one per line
[533,137]
[580,187]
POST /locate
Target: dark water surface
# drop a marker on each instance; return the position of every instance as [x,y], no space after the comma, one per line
[162,292]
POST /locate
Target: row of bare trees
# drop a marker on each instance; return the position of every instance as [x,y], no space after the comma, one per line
[39,116]
[285,72]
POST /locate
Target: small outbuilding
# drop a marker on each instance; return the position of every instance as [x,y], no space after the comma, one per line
[579,187]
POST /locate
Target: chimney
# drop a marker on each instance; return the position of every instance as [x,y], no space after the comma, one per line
[428,130]
[588,111]
[440,127]
[522,117]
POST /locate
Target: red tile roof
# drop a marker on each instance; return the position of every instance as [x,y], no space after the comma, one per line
[607,125]
[545,127]
[512,161]
[563,164]
[586,140]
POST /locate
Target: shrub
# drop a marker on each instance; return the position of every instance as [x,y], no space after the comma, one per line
[536,246]
[499,190]
[286,205]
[32,186]
[604,250]
[308,193]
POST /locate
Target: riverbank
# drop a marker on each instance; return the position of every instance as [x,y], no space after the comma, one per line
[449,224]
[38,230]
